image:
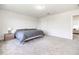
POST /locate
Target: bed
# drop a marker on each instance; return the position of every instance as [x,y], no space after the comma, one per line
[75,29]
[23,35]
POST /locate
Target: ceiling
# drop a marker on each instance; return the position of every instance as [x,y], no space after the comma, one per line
[30,10]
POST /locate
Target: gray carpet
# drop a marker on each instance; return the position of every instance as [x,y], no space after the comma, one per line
[42,46]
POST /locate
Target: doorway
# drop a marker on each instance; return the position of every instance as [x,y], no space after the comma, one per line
[76,27]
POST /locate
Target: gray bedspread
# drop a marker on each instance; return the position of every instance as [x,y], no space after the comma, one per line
[24,34]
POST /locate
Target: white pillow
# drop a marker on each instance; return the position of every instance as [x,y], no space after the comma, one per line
[76,27]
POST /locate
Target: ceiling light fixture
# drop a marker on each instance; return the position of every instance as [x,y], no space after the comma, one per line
[40,7]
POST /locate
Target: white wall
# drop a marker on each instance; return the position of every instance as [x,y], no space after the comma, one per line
[59,25]
[0,23]
[14,20]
